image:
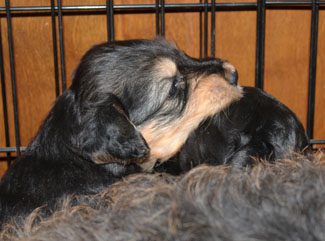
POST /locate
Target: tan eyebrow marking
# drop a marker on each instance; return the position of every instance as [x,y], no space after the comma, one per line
[166,68]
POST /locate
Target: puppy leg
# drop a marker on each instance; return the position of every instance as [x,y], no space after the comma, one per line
[245,156]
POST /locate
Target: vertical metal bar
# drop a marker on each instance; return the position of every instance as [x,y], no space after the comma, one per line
[205,33]
[201,32]
[13,77]
[157,17]
[61,39]
[260,44]
[4,99]
[162,15]
[110,20]
[55,50]
[312,68]
[213,27]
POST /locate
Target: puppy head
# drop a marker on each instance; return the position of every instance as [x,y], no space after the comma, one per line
[107,134]
[141,73]
[167,93]
[208,92]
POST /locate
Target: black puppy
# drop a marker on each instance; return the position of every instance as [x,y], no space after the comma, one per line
[66,154]
[167,95]
[256,126]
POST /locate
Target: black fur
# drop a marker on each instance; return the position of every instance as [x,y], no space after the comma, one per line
[59,160]
[256,126]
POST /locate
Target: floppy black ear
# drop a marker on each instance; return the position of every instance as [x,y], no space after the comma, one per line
[109,136]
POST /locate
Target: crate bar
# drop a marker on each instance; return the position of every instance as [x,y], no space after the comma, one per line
[312,69]
[61,40]
[55,50]
[201,32]
[4,99]
[260,45]
[205,30]
[168,7]
[157,17]
[162,16]
[136,7]
[290,3]
[213,27]
[13,77]
[110,20]
[314,141]
[12,149]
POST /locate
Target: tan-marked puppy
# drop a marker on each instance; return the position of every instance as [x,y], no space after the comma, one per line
[120,93]
[167,93]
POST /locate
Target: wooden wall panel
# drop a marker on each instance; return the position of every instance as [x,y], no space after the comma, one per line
[287,58]
[134,26]
[80,33]
[83,31]
[184,29]
[286,53]
[236,42]
[34,74]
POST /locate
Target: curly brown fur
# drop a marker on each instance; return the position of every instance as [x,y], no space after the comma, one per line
[284,201]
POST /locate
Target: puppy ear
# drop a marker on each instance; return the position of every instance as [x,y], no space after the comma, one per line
[109,136]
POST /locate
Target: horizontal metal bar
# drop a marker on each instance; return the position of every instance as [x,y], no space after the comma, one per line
[315,141]
[11,149]
[168,7]
[152,7]
[290,3]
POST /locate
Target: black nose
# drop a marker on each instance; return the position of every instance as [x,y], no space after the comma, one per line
[233,78]
[141,149]
[231,73]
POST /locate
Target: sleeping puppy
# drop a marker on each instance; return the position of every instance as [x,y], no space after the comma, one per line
[120,93]
[69,152]
[167,93]
[256,126]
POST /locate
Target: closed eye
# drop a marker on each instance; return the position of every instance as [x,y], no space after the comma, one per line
[177,84]
[173,88]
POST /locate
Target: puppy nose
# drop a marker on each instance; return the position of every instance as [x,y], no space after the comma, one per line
[233,79]
[231,73]
[142,149]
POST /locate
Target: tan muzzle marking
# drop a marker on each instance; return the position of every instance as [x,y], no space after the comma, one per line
[208,96]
